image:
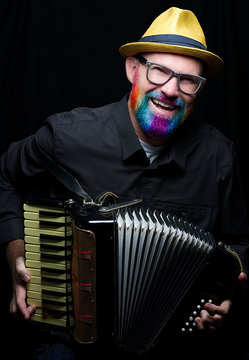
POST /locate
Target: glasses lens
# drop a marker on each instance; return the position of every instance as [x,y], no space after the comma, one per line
[158,74]
[189,84]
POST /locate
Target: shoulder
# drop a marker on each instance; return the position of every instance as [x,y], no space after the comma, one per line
[69,130]
[215,139]
[80,114]
[217,147]
[80,119]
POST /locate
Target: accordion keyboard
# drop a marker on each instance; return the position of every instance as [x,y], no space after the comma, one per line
[48,240]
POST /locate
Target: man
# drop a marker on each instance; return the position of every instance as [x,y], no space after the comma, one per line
[145,146]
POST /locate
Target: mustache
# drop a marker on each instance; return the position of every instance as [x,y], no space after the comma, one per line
[165,99]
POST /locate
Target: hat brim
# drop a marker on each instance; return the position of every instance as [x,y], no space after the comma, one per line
[214,64]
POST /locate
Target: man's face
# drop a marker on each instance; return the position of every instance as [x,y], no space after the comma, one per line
[158,110]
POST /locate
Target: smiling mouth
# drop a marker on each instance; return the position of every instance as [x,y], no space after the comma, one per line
[160,105]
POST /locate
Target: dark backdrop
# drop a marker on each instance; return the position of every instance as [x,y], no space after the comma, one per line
[60,54]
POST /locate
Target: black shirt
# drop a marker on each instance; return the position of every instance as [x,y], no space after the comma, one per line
[195,177]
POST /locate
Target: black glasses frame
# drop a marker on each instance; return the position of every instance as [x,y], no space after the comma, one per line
[148,63]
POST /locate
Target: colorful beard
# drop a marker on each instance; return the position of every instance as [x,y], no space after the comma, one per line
[150,122]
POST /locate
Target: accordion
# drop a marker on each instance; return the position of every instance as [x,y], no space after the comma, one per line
[125,275]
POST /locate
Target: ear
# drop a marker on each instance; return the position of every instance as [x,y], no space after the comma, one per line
[130,66]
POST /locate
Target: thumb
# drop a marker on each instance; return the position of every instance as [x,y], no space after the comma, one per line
[242,277]
[21,269]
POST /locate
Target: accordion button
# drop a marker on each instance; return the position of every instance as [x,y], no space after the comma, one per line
[187,324]
[198,307]
[183,329]
[202,301]
[194,312]
[210,301]
[191,318]
[190,330]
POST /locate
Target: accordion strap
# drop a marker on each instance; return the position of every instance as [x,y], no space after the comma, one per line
[72,184]
[61,174]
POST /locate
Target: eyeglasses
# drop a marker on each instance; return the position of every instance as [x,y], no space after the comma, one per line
[160,75]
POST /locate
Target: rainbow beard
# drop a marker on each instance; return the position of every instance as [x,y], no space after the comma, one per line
[151,123]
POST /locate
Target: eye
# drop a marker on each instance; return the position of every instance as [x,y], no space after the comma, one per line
[160,73]
[157,68]
[188,79]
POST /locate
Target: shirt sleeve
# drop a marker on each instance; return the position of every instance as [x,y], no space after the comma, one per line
[19,167]
[233,220]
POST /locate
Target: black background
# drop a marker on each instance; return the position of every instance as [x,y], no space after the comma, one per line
[59,54]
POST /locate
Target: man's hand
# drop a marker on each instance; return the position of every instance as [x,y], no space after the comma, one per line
[20,276]
[213,315]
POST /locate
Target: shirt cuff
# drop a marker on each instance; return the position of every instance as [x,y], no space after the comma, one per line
[11,230]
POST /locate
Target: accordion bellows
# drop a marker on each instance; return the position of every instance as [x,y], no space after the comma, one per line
[161,268]
[158,258]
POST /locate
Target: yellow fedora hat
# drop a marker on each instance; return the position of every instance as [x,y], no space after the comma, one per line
[175,31]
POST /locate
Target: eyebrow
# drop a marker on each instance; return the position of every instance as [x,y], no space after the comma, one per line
[144,61]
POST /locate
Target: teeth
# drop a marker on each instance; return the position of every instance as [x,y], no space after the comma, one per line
[166,106]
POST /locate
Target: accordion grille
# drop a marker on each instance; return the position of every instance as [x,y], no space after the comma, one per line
[158,257]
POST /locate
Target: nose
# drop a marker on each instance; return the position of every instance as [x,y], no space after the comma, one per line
[170,88]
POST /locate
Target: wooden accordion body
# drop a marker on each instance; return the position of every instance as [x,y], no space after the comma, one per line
[125,278]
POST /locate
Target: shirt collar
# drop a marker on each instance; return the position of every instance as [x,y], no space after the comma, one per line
[128,138]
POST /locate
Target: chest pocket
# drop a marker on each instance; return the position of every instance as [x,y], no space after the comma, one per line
[202,216]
